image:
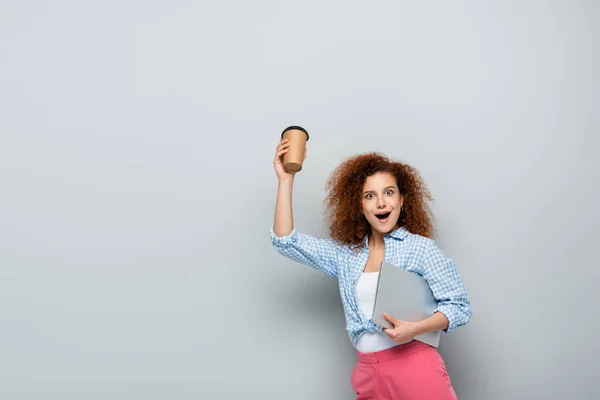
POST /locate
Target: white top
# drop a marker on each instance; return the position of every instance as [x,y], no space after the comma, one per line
[366,289]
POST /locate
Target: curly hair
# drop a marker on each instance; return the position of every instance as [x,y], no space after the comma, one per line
[344,206]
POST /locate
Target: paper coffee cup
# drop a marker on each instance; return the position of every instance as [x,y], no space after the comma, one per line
[297,137]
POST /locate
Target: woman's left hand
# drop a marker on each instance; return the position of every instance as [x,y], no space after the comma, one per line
[403,331]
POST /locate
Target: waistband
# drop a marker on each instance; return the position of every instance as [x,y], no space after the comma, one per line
[399,351]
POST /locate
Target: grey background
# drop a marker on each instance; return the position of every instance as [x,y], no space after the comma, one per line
[137,189]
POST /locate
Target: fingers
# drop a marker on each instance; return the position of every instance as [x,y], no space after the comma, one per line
[281,148]
[283,142]
[281,152]
[390,319]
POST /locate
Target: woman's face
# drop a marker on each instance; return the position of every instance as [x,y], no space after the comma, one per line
[381,201]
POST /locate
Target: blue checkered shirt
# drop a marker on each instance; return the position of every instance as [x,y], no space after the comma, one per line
[412,252]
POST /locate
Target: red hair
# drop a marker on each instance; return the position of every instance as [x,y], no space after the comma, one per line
[344,206]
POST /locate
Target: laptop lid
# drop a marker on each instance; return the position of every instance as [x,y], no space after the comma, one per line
[405,296]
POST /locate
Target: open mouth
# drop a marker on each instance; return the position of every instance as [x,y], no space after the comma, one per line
[383,217]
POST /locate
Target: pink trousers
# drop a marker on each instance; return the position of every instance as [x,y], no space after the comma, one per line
[412,371]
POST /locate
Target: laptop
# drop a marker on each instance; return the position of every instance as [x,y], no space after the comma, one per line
[405,296]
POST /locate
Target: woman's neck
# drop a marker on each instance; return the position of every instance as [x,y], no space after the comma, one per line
[376,240]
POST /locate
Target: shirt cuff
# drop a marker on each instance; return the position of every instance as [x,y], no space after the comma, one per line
[447,311]
[284,240]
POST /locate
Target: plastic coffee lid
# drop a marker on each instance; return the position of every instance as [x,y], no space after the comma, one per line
[289,128]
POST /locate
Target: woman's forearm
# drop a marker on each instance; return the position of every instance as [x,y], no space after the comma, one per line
[284,219]
[436,322]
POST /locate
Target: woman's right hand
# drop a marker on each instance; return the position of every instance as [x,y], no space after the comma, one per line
[282,148]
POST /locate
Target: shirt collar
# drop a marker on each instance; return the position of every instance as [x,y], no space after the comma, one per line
[400,234]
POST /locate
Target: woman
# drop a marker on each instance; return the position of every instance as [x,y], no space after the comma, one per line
[377,210]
